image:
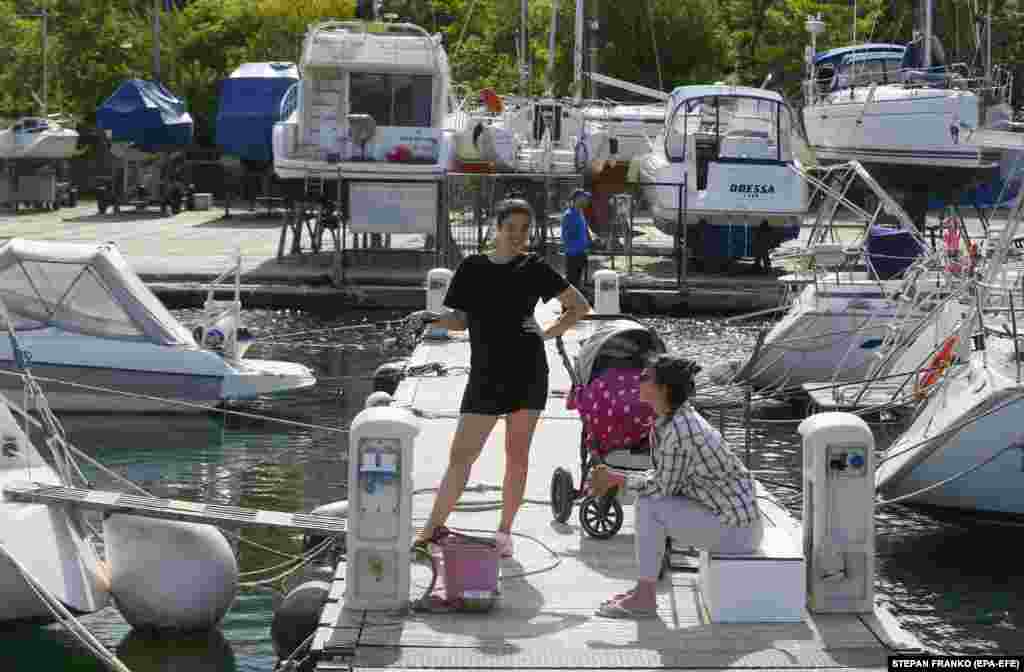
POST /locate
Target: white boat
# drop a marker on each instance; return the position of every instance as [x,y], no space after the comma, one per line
[89,324]
[963,450]
[726,158]
[44,138]
[374,102]
[48,541]
[837,326]
[906,115]
[865,291]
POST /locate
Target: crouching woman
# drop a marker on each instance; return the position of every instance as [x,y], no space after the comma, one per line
[699,493]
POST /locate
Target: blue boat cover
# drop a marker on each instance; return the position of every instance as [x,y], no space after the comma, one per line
[891,251]
[250,103]
[146,114]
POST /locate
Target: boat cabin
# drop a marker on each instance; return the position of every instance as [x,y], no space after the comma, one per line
[719,124]
[373,92]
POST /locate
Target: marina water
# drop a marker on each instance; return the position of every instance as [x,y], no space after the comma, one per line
[958,588]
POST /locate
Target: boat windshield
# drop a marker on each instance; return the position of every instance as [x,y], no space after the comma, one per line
[84,290]
[69,296]
[739,127]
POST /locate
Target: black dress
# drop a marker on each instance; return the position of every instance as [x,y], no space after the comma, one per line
[508,366]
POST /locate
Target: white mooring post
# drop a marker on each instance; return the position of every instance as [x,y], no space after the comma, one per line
[839,510]
[606,292]
[438,281]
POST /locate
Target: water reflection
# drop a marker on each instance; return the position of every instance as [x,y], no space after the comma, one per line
[207,652]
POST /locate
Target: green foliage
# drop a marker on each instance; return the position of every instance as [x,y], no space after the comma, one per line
[95,44]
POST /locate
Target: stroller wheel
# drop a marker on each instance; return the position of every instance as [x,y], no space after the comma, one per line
[601,517]
[562,495]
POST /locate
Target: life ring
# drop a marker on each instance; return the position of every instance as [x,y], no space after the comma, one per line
[939,363]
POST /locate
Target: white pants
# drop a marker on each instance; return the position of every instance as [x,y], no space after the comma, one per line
[689,524]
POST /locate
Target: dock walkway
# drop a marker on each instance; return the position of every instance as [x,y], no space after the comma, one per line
[559,575]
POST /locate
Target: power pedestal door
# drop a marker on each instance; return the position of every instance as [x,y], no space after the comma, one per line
[839,495]
[380,509]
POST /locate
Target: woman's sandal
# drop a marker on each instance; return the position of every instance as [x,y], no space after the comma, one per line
[615,609]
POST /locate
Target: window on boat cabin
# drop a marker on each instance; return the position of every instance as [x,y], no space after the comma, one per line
[867,71]
[391,99]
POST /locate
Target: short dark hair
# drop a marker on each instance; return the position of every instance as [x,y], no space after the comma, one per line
[678,374]
[511,206]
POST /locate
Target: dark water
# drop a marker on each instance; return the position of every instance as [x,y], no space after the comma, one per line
[958,588]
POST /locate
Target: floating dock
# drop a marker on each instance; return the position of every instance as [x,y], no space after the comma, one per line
[559,575]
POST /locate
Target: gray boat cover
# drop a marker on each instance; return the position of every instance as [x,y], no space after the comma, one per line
[619,339]
[82,288]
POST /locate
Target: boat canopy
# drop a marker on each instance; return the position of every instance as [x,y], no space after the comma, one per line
[250,105]
[82,288]
[146,114]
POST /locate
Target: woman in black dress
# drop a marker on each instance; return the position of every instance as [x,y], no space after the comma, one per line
[494,296]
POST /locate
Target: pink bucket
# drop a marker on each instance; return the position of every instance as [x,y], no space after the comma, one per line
[470,572]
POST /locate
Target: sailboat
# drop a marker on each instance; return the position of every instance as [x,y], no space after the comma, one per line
[906,114]
[963,451]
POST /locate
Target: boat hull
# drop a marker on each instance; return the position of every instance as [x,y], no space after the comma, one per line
[735,193]
[74,371]
[922,457]
[906,138]
[833,333]
[47,541]
[47,146]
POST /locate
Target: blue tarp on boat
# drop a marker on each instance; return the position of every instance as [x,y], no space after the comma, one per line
[891,251]
[250,103]
[146,114]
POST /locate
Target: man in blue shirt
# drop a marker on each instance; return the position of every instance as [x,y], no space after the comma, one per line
[576,239]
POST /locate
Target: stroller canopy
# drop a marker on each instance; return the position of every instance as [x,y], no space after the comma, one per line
[623,342]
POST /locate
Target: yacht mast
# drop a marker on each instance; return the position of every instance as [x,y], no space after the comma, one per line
[548,76]
[45,73]
[523,17]
[927,34]
[577,53]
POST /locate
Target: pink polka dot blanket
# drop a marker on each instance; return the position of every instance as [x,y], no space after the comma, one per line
[612,413]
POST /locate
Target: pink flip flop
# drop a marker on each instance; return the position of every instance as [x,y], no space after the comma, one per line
[616,610]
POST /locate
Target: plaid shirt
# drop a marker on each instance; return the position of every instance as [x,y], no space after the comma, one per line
[691,460]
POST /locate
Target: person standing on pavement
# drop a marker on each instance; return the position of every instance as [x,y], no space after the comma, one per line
[576,239]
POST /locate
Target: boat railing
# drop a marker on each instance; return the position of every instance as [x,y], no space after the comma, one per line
[958,76]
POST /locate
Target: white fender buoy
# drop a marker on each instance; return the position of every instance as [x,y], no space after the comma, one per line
[168,575]
[338,509]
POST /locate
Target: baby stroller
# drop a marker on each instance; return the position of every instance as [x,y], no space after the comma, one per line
[616,424]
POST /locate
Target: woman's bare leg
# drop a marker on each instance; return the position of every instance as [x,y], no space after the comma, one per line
[519,428]
[469,439]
